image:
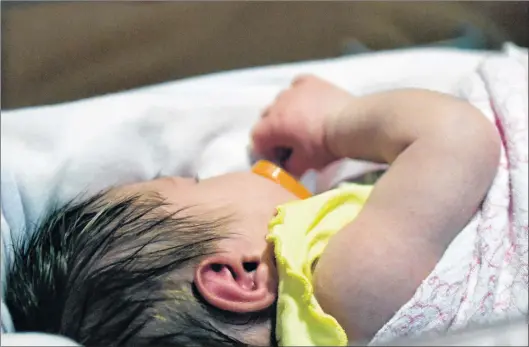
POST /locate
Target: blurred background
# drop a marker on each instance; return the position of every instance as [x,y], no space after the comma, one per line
[59,51]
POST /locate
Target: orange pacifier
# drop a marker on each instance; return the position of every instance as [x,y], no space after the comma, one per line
[273,172]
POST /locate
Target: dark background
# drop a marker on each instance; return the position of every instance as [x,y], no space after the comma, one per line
[53,52]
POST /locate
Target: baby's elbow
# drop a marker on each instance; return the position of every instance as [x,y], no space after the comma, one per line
[493,147]
[487,143]
[480,142]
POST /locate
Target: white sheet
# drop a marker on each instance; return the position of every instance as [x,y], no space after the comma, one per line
[198,125]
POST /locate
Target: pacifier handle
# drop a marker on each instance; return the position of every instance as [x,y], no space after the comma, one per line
[273,172]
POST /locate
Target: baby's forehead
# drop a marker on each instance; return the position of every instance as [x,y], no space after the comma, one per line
[144,189]
[157,185]
[176,193]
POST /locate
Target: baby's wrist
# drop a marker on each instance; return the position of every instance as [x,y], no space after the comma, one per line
[340,127]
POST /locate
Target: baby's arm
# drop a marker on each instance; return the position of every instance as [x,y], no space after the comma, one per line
[443,155]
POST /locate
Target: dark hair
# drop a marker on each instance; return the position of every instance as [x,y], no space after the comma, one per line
[118,271]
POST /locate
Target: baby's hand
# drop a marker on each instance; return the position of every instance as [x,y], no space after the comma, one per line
[292,129]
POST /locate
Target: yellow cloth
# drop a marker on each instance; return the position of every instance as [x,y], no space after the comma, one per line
[300,232]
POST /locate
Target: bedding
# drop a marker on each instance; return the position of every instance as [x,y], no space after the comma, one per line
[199,126]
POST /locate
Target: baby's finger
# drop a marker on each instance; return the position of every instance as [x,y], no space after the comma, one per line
[297,163]
[280,94]
[301,78]
[266,112]
[268,136]
[282,154]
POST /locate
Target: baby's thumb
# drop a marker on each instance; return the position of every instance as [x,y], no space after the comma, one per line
[268,141]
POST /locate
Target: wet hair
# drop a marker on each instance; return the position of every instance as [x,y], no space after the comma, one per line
[119,271]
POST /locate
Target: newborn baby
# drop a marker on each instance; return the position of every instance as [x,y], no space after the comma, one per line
[186,262]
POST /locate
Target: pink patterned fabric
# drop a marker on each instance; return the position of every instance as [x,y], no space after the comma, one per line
[483,276]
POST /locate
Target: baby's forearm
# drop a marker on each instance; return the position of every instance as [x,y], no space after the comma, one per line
[384,124]
[443,155]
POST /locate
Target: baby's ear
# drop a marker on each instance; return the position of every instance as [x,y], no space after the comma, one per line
[231,284]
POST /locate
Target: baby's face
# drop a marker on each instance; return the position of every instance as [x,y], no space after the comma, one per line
[249,199]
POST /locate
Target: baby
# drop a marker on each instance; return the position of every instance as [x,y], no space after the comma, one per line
[186,262]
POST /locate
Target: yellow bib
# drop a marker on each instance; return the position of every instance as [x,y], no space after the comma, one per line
[300,232]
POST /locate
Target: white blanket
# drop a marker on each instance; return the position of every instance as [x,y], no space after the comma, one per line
[199,125]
